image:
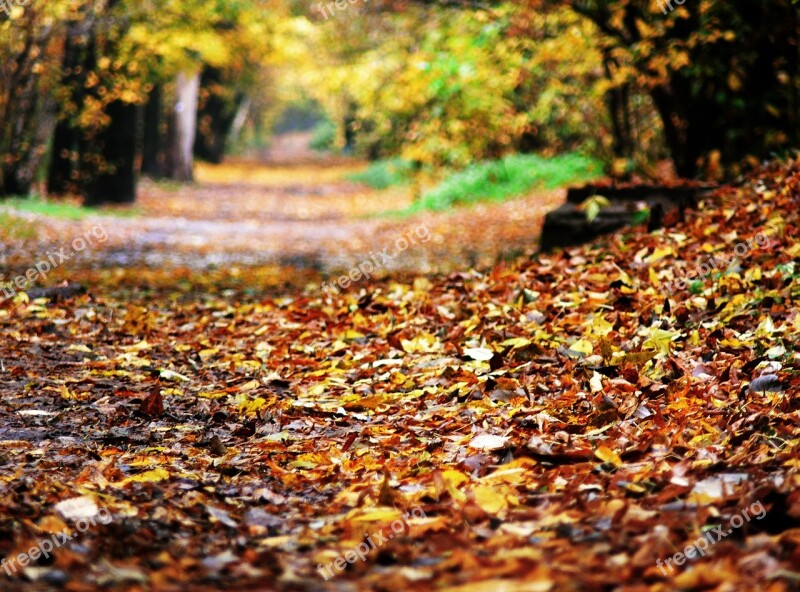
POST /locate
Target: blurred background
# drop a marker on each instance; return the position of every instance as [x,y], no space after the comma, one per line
[276,109]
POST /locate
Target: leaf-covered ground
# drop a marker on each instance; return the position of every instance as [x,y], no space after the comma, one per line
[549,423]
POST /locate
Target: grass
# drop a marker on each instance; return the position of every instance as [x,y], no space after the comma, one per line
[61,209]
[511,176]
[383,174]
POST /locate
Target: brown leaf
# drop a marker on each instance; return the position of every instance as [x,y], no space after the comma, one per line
[153,405]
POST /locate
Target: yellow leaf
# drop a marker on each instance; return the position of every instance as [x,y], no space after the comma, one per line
[583,346]
[659,253]
[66,393]
[147,477]
[212,395]
[205,354]
[422,343]
[600,326]
[136,347]
[247,406]
[660,340]
[794,250]
[53,524]
[607,455]
[248,386]
[379,514]
[79,348]
[516,342]
[351,335]
[490,499]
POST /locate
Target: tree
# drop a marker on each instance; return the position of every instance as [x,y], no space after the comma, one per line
[220,101]
[94,147]
[182,126]
[28,37]
[80,70]
[152,134]
[723,76]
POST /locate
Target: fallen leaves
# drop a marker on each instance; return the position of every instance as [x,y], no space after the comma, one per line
[557,420]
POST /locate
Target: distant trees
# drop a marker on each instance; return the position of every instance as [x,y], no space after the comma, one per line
[110,89]
[444,88]
[722,78]
[113,86]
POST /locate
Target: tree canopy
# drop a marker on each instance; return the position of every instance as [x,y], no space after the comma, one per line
[712,85]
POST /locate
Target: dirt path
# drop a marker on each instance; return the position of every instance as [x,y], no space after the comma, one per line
[296,208]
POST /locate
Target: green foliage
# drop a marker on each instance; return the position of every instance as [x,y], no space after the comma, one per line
[447,88]
[510,176]
[383,174]
[324,136]
[696,287]
[54,209]
[593,205]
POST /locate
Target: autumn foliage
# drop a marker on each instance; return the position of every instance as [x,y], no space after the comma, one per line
[550,422]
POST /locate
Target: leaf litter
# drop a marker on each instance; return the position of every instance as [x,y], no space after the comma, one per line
[558,420]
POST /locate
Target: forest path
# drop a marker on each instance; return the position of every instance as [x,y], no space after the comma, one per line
[293,207]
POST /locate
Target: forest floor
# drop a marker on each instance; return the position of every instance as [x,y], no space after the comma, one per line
[292,207]
[207,417]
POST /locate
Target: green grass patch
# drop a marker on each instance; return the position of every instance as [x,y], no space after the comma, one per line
[514,175]
[63,210]
[383,174]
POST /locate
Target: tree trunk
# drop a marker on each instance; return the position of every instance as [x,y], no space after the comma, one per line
[215,116]
[63,170]
[238,122]
[152,143]
[26,116]
[182,128]
[116,182]
[618,105]
[64,173]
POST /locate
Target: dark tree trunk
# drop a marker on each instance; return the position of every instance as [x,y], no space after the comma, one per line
[350,129]
[25,115]
[673,133]
[64,173]
[153,138]
[116,182]
[63,170]
[739,100]
[618,104]
[215,116]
